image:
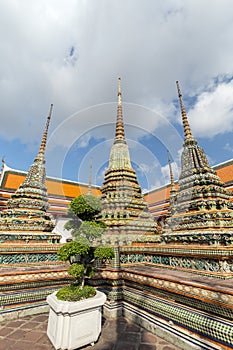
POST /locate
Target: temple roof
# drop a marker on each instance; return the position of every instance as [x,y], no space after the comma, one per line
[12,179]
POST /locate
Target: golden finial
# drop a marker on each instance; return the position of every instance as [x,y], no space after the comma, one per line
[187,131]
[44,138]
[119,91]
[90,178]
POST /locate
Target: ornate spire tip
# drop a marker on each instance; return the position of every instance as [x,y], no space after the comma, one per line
[44,138]
[119,86]
[178,89]
[119,91]
[187,131]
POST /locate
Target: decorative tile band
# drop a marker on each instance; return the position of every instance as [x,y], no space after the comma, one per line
[21,248]
[27,258]
[207,265]
[199,293]
[179,336]
[142,248]
[33,276]
[201,323]
[25,297]
[38,284]
[193,302]
[26,238]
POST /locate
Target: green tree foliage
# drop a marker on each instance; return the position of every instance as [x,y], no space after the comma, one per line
[81,257]
[86,207]
[103,252]
[76,270]
[83,212]
[74,293]
[71,250]
[85,227]
[89,229]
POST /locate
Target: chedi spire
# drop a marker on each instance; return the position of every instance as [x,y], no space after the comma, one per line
[187,131]
[120,132]
[45,135]
[171,172]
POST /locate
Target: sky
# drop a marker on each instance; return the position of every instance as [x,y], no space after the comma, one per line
[71,53]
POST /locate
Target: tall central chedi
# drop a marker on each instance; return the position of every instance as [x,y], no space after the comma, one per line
[125,211]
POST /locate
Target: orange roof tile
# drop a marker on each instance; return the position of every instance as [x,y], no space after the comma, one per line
[226,173]
[55,187]
[13,181]
[158,195]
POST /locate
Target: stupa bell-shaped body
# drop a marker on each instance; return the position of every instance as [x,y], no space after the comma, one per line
[201,210]
[125,211]
[25,217]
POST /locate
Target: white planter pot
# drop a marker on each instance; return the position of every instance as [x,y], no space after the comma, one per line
[72,325]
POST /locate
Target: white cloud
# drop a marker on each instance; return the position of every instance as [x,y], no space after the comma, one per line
[213,112]
[228,147]
[144,168]
[83,141]
[165,170]
[149,44]
[151,48]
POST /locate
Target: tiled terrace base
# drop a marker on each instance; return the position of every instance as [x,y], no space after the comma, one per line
[196,310]
[31,333]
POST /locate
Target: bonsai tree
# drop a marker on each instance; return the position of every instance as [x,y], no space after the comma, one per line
[81,258]
[84,224]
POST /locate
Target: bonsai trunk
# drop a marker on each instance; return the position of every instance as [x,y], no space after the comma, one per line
[83,278]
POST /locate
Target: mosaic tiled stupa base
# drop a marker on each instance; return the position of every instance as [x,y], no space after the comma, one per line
[125,211]
[28,248]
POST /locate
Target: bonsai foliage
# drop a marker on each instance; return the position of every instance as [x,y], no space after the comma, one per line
[83,212]
[103,253]
[72,249]
[86,207]
[81,258]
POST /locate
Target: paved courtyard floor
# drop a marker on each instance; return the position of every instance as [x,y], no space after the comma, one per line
[30,333]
